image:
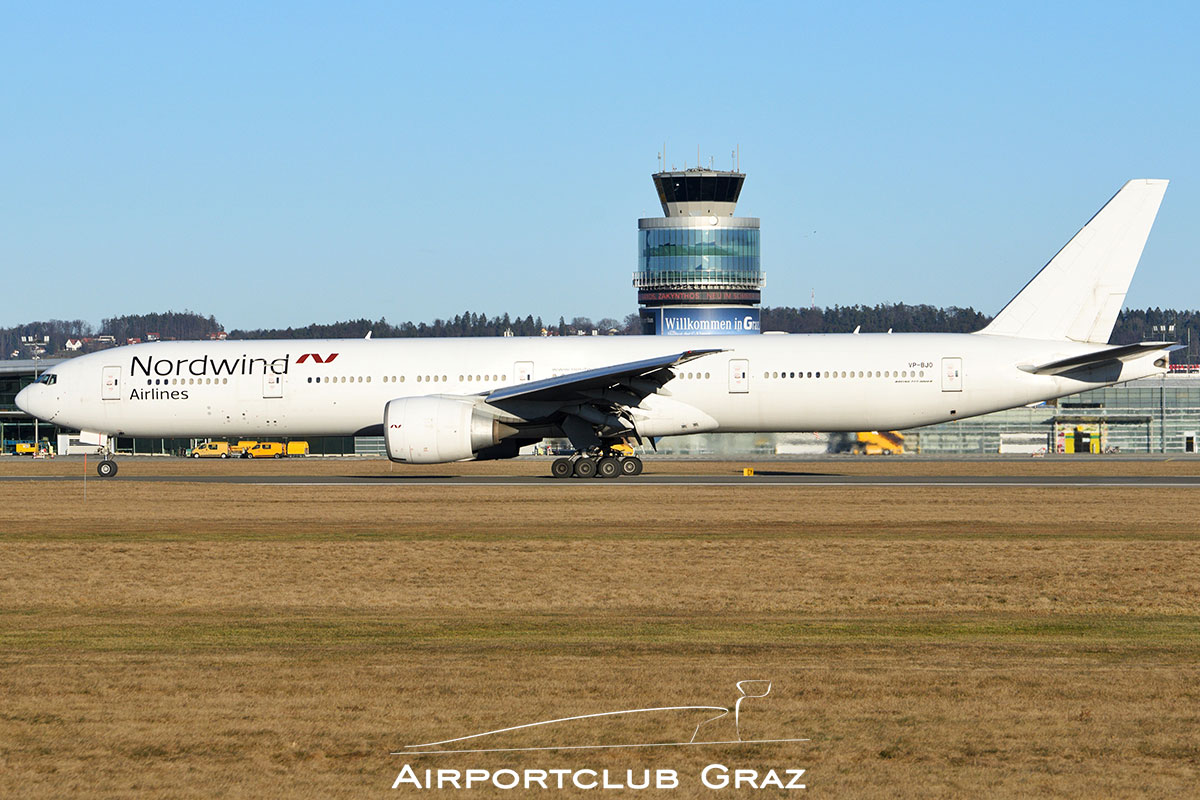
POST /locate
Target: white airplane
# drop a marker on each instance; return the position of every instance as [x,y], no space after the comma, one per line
[441,400]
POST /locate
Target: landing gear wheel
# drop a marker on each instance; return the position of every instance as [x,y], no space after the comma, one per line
[608,467]
[561,468]
[585,468]
[631,466]
[106,468]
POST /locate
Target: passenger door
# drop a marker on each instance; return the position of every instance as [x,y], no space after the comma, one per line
[110,384]
[952,377]
[272,384]
[739,376]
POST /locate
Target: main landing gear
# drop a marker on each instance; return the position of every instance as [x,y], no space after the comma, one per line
[583,465]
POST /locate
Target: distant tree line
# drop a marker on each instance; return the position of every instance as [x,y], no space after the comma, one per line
[899,317]
[169,325]
[469,323]
[1133,325]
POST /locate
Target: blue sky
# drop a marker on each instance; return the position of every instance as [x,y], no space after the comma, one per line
[278,164]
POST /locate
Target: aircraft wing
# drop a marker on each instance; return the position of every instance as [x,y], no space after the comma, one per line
[1127,352]
[642,377]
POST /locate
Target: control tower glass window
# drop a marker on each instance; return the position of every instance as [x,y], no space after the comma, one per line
[727,257]
[699,188]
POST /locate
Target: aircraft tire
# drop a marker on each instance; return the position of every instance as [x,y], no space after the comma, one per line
[631,466]
[561,468]
[585,468]
[106,468]
[608,468]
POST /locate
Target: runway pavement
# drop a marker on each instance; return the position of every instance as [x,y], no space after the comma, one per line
[762,478]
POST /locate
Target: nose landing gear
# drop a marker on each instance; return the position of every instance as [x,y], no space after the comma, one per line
[107,466]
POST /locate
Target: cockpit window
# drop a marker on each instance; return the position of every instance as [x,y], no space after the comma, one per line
[48,378]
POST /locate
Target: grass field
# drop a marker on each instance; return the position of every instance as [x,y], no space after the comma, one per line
[190,639]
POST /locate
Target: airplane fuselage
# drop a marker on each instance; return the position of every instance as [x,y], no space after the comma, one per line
[829,382]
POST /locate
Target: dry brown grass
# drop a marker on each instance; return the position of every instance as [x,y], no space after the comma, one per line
[191,639]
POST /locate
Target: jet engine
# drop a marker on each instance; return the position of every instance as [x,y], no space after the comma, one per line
[436,429]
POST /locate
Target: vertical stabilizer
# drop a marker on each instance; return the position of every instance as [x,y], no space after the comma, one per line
[1078,295]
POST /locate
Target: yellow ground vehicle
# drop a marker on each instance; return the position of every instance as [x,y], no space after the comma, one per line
[874,443]
[211,450]
[623,449]
[241,447]
[25,449]
[266,450]
[297,448]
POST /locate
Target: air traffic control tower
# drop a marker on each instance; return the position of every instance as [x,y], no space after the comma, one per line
[698,269]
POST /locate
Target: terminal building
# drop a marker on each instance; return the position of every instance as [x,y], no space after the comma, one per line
[699,267]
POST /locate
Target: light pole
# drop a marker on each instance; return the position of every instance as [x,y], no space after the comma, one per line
[36,440]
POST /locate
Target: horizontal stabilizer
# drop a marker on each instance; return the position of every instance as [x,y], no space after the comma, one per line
[1077,296]
[1128,352]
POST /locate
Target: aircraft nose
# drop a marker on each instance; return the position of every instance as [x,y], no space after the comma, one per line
[27,400]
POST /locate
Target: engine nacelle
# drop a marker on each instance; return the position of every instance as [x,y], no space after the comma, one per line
[436,429]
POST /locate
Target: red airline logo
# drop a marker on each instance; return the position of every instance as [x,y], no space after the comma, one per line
[317,358]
